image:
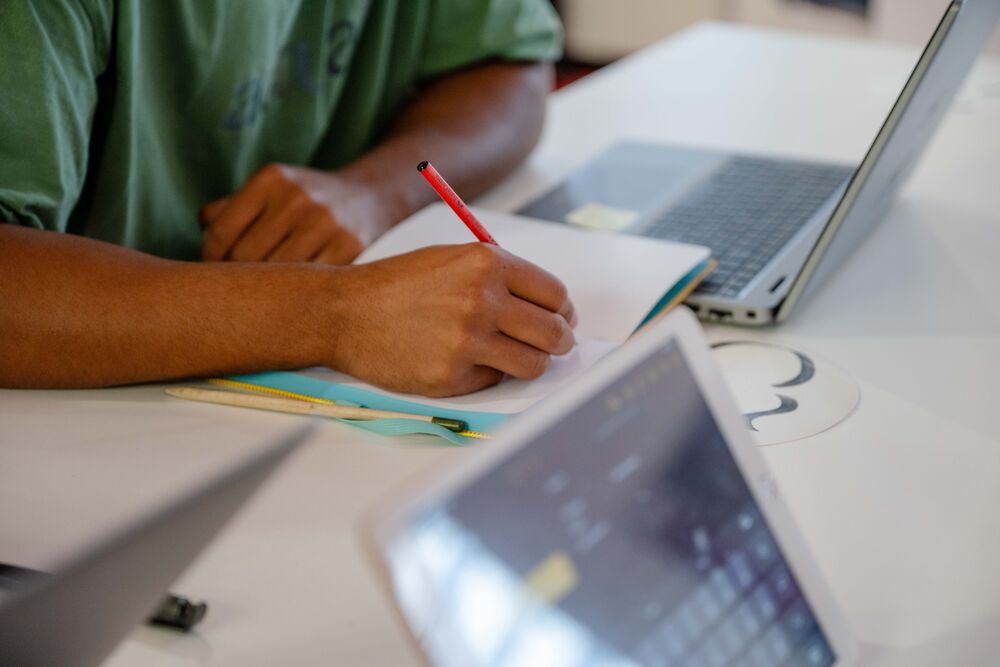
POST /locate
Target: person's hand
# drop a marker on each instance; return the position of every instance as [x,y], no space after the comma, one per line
[293,214]
[450,320]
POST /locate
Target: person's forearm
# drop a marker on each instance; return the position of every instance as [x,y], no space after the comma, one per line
[475,126]
[81,313]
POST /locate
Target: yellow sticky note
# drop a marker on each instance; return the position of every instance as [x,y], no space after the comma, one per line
[554,578]
[598,216]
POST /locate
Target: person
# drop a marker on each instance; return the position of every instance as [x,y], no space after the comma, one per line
[187,182]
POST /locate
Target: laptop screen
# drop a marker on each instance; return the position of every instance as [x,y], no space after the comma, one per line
[625,535]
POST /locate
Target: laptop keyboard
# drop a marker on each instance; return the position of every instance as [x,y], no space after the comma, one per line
[746,212]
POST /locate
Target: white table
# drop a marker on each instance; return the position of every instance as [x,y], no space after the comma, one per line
[900,504]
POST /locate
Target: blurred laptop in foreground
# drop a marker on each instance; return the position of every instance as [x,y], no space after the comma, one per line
[628,521]
[78,614]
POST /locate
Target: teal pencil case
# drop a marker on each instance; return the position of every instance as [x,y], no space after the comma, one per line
[480,423]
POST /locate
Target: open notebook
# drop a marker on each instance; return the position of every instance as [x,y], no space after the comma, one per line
[617,283]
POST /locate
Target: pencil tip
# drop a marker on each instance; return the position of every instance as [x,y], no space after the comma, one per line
[422,166]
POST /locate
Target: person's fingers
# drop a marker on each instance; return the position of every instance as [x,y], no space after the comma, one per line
[513,357]
[343,247]
[303,243]
[536,326]
[534,284]
[244,207]
[339,250]
[265,234]
[211,210]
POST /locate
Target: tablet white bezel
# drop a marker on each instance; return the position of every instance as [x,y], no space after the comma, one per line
[389,517]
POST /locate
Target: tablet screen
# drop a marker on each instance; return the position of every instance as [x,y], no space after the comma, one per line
[625,535]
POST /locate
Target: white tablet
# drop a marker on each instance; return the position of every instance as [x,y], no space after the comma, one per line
[627,521]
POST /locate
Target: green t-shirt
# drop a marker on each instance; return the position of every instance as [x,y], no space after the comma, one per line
[120,119]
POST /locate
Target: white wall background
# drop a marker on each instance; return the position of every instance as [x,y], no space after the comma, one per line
[600,31]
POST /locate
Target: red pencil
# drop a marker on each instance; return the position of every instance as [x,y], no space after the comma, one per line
[452,199]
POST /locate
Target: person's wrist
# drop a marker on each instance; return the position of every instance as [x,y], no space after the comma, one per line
[385,190]
[329,307]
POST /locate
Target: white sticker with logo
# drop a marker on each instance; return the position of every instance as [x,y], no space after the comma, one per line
[784,394]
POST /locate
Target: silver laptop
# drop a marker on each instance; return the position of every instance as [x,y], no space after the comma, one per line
[629,521]
[78,614]
[776,227]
